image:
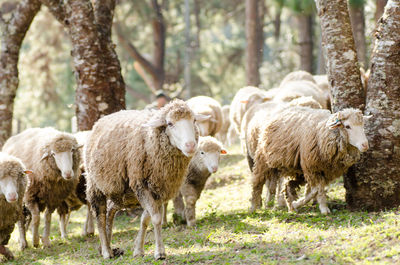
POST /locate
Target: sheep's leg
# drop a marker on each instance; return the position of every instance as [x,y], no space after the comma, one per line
[258,183]
[156,219]
[321,198]
[34,209]
[179,209]
[280,197]
[164,221]
[139,242]
[47,225]
[63,225]
[6,252]
[190,210]
[22,232]
[88,228]
[271,185]
[302,201]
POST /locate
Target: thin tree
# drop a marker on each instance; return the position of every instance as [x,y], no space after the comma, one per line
[358,25]
[100,86]
[13,32]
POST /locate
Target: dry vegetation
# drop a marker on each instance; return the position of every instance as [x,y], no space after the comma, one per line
[227,234]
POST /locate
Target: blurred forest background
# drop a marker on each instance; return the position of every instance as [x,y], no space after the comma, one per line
[291,40]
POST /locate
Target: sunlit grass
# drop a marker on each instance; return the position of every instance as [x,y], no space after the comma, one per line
[227,234]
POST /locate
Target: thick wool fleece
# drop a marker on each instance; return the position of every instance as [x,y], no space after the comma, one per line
[208,106]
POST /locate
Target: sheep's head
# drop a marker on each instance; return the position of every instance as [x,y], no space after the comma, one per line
[64,150]
[208,154]
[179,122]
[352,122]
[204,123]
[10,172]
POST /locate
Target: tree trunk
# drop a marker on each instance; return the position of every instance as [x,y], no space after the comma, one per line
[380,7]
[277,23]
[374,183]
[12,34]
[100,86]
[358,26]
[342,65]
[304,23]
[252,39]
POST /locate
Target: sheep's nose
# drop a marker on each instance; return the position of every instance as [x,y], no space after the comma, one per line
[12,197]
[365,146]
[214,169]
[190,146]
[68,174]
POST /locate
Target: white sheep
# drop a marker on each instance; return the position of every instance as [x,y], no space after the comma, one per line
[208,107]
[53,157]
[316,144]
[137,158]
[222,135]
[12,189]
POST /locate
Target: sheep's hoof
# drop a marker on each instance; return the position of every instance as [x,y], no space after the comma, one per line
[191,223]
[118,252]
[160,256]
[325,211]
[178,219]
[138,253]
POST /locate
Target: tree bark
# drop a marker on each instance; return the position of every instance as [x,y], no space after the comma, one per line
[100,86]
[374,183]
[358,25]
[12,34]
[342,65]
[304,23]
[380,7]
[252,45]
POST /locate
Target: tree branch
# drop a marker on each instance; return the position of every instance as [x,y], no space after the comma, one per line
[147,65]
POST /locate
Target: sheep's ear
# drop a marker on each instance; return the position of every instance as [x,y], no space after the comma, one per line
[334,121]
[78,146]
[28,172]
[201,117]
[223,152]
[244,101]
[213,120]
[154,123]
[367,117]
[44,156]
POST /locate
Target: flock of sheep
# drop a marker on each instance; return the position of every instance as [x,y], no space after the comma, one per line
[145,158]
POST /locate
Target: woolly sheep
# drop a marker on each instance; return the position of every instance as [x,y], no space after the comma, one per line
[323,84]
[297,76]
[77,198]
[208,107]
[222,135]
[137,158]
[12,189]
[54,159]
[252,123]
[314,143]
[204,163]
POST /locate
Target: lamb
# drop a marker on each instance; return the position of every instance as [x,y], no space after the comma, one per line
[137,158]
[12,189]
[77,198]
[252,123]
[314,143]
[209,107]
[223,132]
[54,159]
[204,163]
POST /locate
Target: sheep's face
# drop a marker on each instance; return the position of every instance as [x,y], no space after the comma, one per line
[352,123]
[181,134]
[64,163]
[9,182]
[208,154]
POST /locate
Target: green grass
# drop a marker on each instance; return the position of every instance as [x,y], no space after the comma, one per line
[227,234]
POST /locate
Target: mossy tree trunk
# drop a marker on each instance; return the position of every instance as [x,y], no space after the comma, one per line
[374,183]
[12,34]
[342,64]
[100,86]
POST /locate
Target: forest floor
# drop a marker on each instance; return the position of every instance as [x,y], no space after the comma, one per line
[227,234]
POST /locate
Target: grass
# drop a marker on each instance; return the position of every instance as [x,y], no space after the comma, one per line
[227,234]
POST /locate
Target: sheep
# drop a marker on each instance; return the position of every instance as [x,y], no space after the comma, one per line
[316,144]
[137,158]
[223,132]
[54,158]
[294,89]
[204,163]
[323,84]
[242,101]
[209,107]
[252,123]
[12,189]
[297,76]
[77,198]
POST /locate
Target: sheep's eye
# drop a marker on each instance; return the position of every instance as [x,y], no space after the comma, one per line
[202,153]
[347,126]
[169,124]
